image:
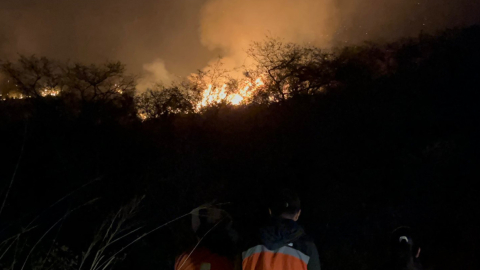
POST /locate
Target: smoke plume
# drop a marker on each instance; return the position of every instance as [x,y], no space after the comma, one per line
[154,73]
[232,25]
[187,34]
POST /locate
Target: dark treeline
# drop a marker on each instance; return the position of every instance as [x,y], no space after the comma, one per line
[372,137]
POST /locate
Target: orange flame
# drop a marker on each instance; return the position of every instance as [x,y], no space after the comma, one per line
[214,95]
[50,92]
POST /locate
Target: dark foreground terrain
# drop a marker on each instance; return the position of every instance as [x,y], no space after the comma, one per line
[393,139]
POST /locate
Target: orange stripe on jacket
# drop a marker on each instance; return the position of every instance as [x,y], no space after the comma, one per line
[274,260]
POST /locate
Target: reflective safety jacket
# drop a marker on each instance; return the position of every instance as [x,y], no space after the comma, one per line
[283,245]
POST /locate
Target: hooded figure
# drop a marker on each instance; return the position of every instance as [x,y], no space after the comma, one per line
[282,243]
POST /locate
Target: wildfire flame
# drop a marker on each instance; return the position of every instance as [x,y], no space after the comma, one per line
[50,92]
[214,95]
[44,93]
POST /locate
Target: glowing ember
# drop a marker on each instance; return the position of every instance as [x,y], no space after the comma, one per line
[118,90]
[43,93]
[142,116]
[50,92]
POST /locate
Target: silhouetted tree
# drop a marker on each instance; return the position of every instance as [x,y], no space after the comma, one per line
[289,69]
[163,101]
[33,75]
[98,83]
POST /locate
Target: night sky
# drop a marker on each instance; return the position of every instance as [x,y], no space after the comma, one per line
[159,38]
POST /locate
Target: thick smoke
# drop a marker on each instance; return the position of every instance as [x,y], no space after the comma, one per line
[155,73]
[232,25]
[187,34]
[90,31]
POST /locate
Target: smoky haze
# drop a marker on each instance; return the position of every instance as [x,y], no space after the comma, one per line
[162,39]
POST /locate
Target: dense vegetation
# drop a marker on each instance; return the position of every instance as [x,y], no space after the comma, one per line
[372,137]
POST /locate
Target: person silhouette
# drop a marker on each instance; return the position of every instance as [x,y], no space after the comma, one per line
[282,243]
[215,246]
[404,250]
